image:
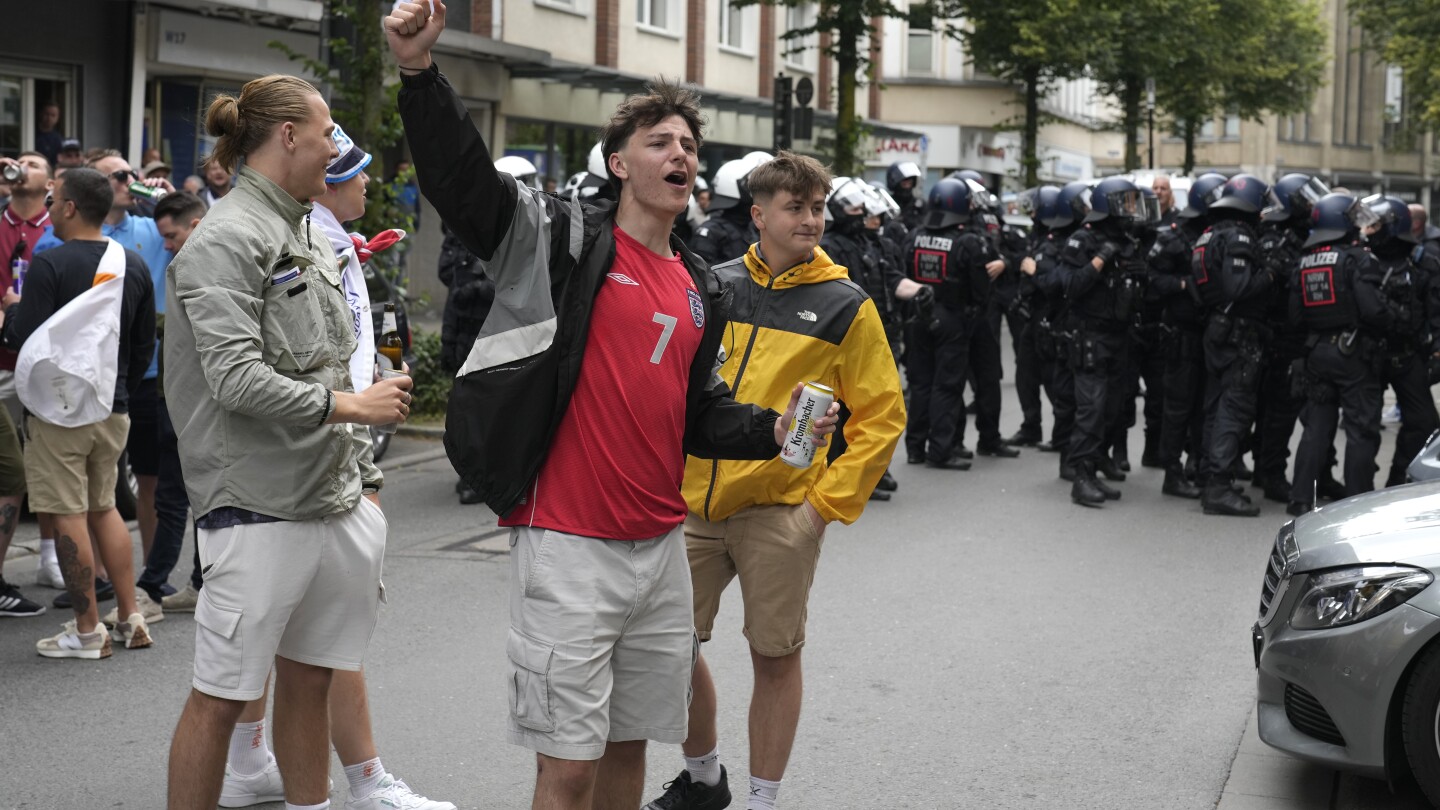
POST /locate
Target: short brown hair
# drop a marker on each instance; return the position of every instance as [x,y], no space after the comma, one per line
[800,175]
[242,124]
[662,98]
[100,153]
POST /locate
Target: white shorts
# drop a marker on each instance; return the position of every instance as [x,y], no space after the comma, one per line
[306,590]
[602,641]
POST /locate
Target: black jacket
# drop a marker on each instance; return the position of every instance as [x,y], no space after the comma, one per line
[547,257]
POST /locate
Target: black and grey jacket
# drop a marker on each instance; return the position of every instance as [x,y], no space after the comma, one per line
[547,257]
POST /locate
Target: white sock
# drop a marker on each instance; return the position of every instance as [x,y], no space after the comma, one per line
[705,769]
[364,777]
[248,752]
[47,551]
[325,805]
[762,794]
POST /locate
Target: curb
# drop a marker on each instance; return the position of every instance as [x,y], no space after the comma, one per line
[421,431]
[412,460]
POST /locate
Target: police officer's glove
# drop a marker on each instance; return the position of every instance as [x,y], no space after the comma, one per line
[925,295]
[1107,252]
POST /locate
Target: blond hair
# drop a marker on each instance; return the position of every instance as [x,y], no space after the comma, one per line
[800,175]
[243,124]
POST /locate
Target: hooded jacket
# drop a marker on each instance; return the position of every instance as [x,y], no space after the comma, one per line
[809,323]
[547,257]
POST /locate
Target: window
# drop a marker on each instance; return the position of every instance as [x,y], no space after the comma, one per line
[659,14]
[30,101]
[799,52]
[572,6]
[732,27]
[1232,126]
[920,53]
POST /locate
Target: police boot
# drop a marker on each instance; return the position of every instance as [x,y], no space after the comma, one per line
[1273,487]
[1178,485]
[1220,499]
[1086,489]
[1048,447]
[955,462]
[1298,508]
[1025,438]
[879,495]
[1150,456]
[1330,489]
[998,450]
[1240,471]
[887,483]
[1121,454]
[1107,467]
[1110,493]
[1067,470]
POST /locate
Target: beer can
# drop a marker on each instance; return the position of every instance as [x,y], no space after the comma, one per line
[152,193]
[799,448]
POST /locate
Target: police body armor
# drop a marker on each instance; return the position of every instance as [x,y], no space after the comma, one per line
[724,237]
[953,261]
[1109,304]
[864,259]
[1402,290]
[1325,283]
[1222,263]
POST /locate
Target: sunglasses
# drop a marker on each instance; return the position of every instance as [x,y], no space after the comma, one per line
[124,175]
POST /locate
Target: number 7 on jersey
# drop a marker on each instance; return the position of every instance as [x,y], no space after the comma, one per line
[668,322]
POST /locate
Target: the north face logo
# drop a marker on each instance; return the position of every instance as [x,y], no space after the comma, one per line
[623,279]
[807,315]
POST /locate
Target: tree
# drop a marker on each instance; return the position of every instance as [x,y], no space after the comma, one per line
[1405,32]
[1140,43]
[848,22]
[362,102]
[1032,43]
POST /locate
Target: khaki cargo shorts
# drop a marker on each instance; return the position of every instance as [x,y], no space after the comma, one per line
[71,471]
[774,550]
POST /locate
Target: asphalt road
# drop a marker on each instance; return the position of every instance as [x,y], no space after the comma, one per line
[979,642]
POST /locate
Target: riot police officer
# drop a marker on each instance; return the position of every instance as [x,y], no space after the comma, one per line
[949,254]
[1057,212]
[1337,298]
[729,232]
[1407,286]
[1145,358]
[1233,284]
[1183,317]
[1102,259]
[1286,227]
[903,181]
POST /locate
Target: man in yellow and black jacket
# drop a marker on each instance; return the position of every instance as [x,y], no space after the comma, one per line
[795,317]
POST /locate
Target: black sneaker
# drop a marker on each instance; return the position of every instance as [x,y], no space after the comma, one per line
[13,603]
[104,592]
[684,794]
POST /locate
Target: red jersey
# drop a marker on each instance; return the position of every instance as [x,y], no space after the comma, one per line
[615,466]
[17,241]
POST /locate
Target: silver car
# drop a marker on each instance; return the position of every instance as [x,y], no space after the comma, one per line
[1345,646]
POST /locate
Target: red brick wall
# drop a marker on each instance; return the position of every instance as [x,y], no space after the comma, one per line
[481,21]
[607,33]
[823,90]
[767,51]
[695,42]
[877,25]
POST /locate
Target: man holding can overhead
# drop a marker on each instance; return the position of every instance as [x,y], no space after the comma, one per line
[796,316]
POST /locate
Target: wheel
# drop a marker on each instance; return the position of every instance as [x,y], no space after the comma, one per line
[1420,723]
[379,443]
[127,489]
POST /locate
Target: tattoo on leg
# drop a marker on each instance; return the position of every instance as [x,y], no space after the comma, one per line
[8,515]
[76,576]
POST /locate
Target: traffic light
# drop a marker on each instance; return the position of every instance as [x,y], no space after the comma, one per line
[782,112]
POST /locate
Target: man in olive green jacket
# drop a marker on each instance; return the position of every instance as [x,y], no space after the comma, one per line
[257,347]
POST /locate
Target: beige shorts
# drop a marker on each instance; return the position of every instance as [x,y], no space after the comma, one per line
[601,646]
[71,471]
[774,550]
[308,590]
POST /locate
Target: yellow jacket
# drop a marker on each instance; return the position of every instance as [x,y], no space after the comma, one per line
[808,324]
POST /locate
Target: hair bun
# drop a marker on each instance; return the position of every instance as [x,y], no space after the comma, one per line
[223,117]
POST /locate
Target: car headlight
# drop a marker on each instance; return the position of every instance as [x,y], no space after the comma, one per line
[1349,595]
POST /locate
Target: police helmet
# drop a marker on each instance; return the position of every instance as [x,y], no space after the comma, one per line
[1117,199]
[847,202]
[882,203]
[1393,217]
[899,172]
[951,201]
[1245,193]
[1151,213]
[970,174]
[1206,189]
[1071,206]
[700,184]
[1040,203]
[519,168]
[729,187]
[1336,216]
[1295,195]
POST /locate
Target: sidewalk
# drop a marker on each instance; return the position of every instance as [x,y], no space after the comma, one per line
[1264,778]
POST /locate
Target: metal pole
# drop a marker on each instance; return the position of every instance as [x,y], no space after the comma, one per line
[1150,115]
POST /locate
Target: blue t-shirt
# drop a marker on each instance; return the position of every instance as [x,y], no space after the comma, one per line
[142,236]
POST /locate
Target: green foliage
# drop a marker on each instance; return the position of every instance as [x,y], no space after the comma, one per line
[432,383]
[1406,32]
[364,103]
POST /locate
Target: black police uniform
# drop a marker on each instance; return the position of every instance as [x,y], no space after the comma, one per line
[1183,324]
[1145,358]
[1338,300]
[1014,294]
[725,236]
[1281,394]
[940,354]
[1407,289]
[1102,305]
[1233,284]
[1049,336]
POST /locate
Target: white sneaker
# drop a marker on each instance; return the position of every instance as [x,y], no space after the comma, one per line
[395,794]
[49,575]
[1392,415]
[181,601]
[243,791]
[133,632]
[152,612]
[69,644]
